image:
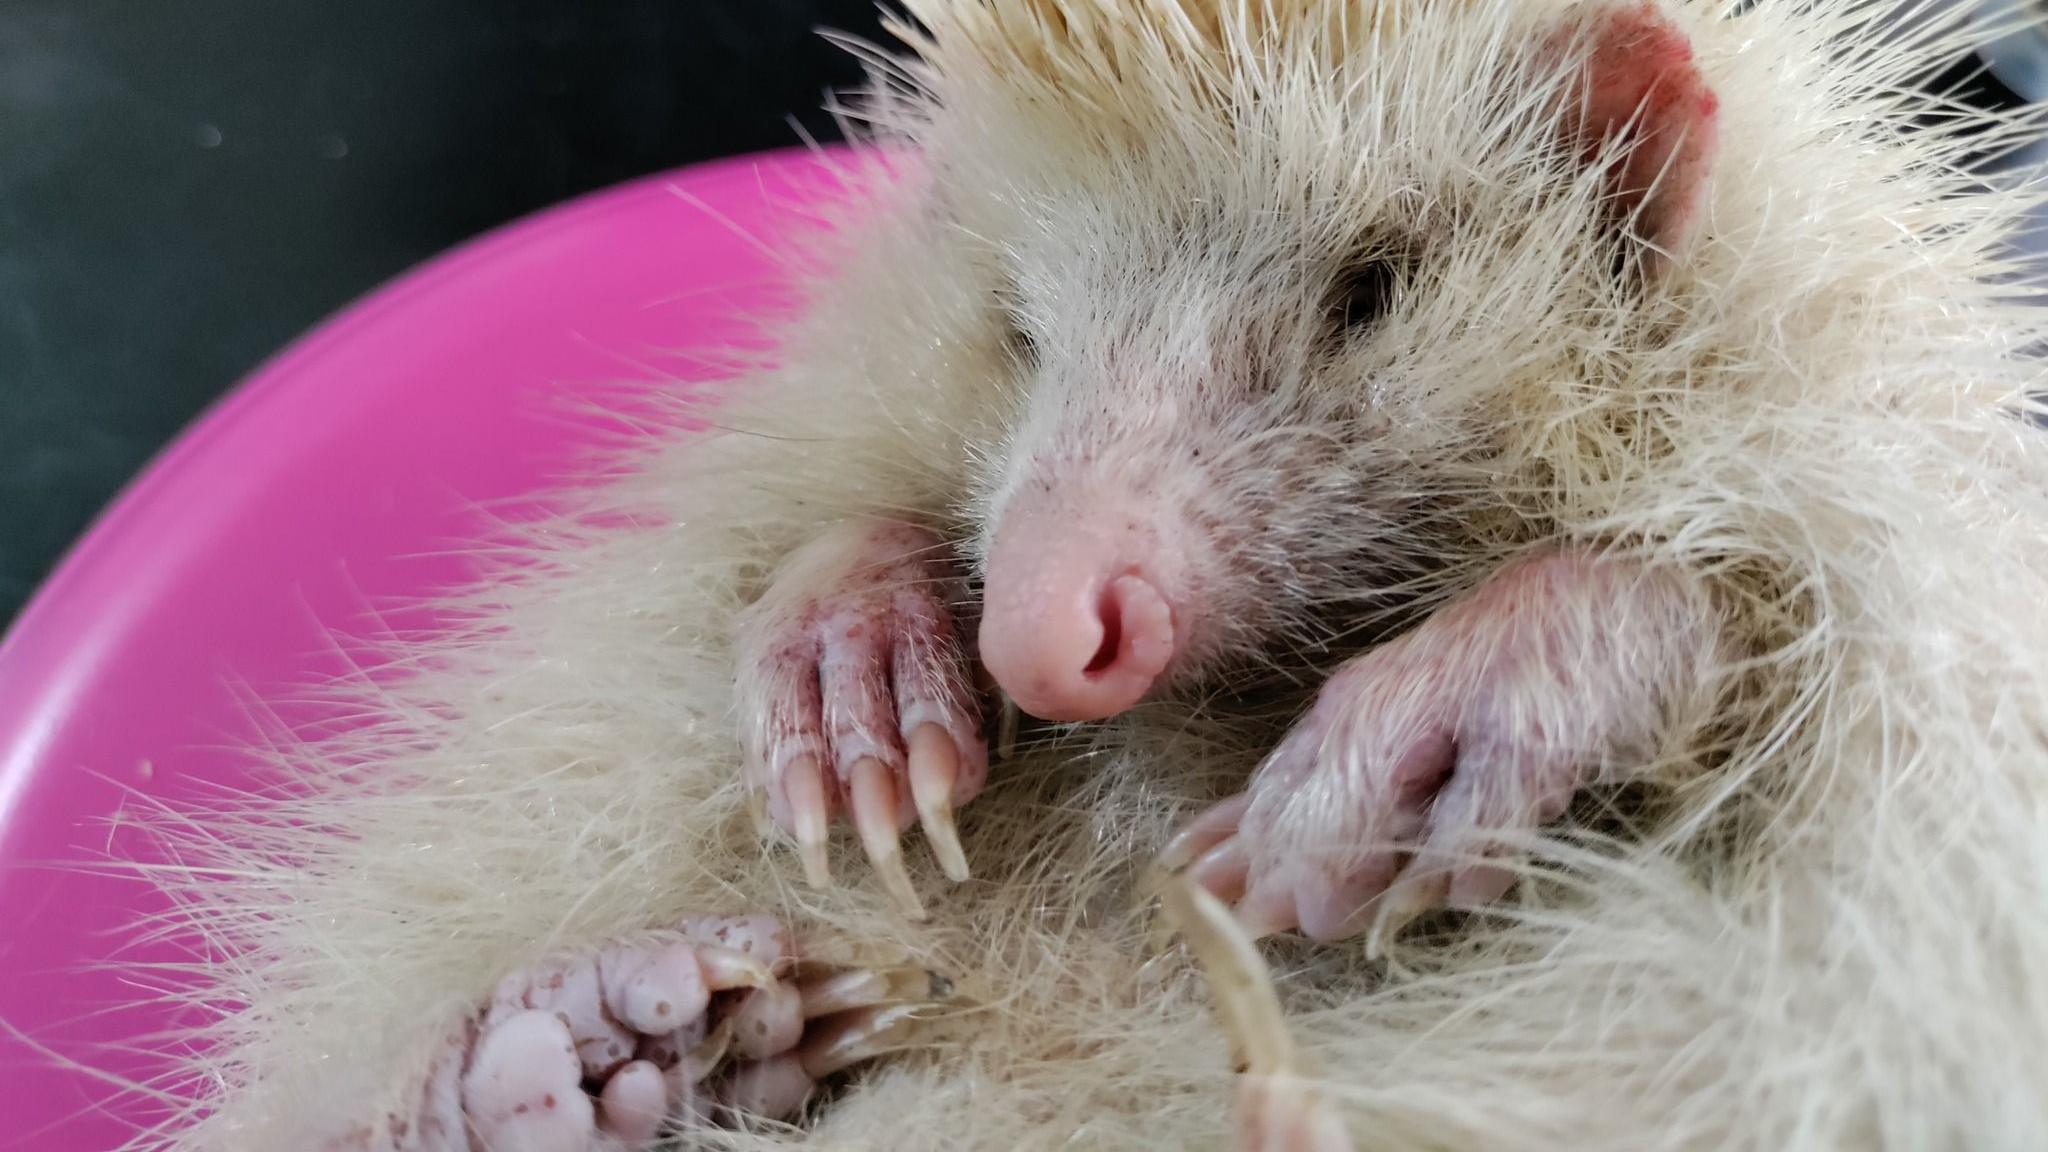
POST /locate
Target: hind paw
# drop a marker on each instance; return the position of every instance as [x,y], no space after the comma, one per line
[604,1050]
[854,697]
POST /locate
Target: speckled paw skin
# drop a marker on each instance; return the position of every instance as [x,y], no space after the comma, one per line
[607,1049]
[855,698]
[1424,760]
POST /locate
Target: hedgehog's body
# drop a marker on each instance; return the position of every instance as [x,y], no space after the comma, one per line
[1791,428]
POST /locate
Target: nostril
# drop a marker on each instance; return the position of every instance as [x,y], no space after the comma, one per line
[1110,611]
[1069,633]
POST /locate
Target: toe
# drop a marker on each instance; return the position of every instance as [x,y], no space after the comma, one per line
[1337,905]
[1204,832]
[774,1089]
[768,1021]
[1479,884]
[1223,870]
[633,1104]
[569,988]
[928,671]
[784,719]
[859,705]
[523,1090]
[725,969]
[759,937]
[1461,860]
[1267,907]
[654,988]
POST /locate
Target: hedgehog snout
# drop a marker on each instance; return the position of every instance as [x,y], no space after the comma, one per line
[1077,621]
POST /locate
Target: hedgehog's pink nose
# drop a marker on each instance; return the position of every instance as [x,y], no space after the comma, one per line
[1070,627]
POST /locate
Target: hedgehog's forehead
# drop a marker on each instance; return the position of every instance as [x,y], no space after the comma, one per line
[1102,46]
[1225,112]
[1136,61]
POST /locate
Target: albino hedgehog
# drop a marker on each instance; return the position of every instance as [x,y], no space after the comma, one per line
[1561,471]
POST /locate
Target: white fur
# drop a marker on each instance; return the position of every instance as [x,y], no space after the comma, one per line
[1826,932]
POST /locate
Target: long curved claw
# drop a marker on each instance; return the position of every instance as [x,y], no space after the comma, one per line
[1222,871]
[1245,997]
[1204,832]
[776,1088]
[934,769]
[1398,908]
[866,988]
[1278,1107]
[728,968]
[810,814]
[872,798]
[1009,718]
[850,1038]
[701,1061]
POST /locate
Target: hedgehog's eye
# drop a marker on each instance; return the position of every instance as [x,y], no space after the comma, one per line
[1362,294]
[1018,342]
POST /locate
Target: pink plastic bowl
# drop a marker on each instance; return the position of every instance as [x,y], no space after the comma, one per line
[321,489]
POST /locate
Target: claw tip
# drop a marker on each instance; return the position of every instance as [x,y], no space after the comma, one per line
[817,867]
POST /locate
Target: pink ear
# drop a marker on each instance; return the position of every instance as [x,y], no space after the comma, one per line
[1640,83]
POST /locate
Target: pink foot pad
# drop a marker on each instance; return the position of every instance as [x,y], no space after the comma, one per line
[608,1049]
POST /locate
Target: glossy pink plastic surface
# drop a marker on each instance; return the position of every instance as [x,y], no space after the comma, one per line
[319,490]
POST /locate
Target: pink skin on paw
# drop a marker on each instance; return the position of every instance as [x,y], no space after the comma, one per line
[775,1089]
[524,1088]
[855,697]
[435,1123]
[653,990]
[667,1050]
[715,1001]
[1393,795]
[767,1021]
[1074,624]
[760,938]
[440,1124]
[570,990]
[633,1104]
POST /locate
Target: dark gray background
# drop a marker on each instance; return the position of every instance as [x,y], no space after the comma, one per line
[186,185]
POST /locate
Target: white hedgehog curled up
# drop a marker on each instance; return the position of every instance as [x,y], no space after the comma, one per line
[1445,408]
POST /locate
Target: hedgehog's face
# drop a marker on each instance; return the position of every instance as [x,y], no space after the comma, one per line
[1246,352]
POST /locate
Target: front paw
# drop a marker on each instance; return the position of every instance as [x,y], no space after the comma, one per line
[854,697]
[1424,761]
